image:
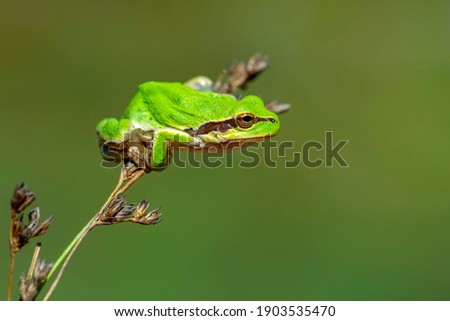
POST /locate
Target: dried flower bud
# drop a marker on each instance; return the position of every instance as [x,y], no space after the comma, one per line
[28,288]
[21,199]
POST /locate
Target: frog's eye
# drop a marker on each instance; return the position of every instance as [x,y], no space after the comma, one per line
[245,120]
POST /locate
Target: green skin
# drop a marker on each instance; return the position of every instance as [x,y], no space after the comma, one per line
[177,115]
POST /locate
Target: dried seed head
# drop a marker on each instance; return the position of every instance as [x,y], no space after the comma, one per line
[21,233]
[141,208]
[153,217]
[115,207]
[120,211]
[34,228]
[21,199]
[28,288]
[257,63]
[237,75]
[126,211]
[277,107]
[41,271]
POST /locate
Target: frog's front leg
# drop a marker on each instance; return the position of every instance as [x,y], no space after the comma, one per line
[162,139]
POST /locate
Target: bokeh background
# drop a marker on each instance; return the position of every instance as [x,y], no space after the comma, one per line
[374,72]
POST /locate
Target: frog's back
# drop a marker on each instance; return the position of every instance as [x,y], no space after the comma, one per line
[162,104]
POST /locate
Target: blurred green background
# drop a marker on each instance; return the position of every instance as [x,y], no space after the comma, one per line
[374,72]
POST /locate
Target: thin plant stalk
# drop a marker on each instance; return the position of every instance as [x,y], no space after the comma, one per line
[78,238]
[123,184]
[114,192]
[85,231]
[12,254]
[11,272]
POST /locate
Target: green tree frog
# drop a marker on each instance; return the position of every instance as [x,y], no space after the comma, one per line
[167,115]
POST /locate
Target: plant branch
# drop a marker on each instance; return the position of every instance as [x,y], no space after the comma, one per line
[12,252]
[125,181]
[80,236]
[11,272]
[34,259]
[114,192]
[68,249]
[130,182]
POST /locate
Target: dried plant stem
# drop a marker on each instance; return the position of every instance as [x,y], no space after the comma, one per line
[37,249]
[11,272]
[114,192]
[12,254]
[130,182]
[123,184]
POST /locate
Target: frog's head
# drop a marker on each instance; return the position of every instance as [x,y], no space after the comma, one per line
[248,120]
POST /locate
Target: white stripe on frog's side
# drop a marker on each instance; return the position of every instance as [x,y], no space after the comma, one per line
[144,126]
[212,137]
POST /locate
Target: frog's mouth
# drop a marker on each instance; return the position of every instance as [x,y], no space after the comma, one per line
[214,147]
